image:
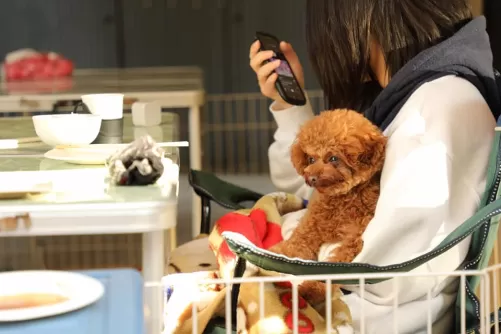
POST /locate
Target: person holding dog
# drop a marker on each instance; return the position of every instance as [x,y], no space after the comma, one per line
[422,72]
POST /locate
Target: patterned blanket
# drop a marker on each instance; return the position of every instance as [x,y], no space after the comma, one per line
[262,226]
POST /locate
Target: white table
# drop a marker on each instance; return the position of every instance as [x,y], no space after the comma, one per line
[82,204]
[172,87]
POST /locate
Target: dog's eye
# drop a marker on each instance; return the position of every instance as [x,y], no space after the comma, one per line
[311,160]
[333,159]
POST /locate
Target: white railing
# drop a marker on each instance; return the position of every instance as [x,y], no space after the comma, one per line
[195,303]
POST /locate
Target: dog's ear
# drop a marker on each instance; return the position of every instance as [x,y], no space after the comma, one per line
[298,157]
[373,155]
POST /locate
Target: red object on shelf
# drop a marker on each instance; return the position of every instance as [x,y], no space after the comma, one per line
[37,66]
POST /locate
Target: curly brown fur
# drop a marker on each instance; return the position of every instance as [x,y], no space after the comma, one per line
[340,153]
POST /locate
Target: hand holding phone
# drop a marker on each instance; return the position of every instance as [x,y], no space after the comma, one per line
[287,83]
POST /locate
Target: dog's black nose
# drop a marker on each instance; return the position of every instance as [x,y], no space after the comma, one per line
[312,180]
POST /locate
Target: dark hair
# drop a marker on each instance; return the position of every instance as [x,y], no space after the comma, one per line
[339,33]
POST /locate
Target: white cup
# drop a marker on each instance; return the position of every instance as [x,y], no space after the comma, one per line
[108,106]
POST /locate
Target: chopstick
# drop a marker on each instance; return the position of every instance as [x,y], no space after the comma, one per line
[174,144]
[21,140]
[14,143]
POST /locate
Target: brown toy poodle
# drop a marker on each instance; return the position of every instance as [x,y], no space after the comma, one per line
[339,153]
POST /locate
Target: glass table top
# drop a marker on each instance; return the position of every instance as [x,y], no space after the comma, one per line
[85,184]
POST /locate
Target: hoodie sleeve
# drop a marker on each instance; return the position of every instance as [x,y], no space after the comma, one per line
[282,172]
[432,181]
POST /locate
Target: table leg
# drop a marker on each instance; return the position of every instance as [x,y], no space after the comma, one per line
[173,239]
[153,271]
[195,138]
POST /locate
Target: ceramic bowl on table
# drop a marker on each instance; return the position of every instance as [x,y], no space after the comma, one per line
[67,129]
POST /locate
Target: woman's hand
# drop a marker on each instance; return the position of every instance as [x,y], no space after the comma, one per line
[266,76]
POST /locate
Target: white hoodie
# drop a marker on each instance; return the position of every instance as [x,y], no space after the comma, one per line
[432,181]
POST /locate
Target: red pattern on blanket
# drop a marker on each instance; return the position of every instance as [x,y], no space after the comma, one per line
[255,227]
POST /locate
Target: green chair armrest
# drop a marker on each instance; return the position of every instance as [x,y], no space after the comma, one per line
[221,192]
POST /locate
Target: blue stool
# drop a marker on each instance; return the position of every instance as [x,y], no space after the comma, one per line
[120,310]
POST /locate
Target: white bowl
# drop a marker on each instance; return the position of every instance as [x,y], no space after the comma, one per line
[108,106]
[67,129]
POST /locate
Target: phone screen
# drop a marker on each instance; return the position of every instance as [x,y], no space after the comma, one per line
[284,68]
[287,80]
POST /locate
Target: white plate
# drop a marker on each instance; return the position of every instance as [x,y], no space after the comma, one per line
[80,156]
[80,290]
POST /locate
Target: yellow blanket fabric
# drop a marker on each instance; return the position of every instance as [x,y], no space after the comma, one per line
[262,226]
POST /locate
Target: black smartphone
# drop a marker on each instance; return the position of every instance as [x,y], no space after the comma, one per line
[287,85]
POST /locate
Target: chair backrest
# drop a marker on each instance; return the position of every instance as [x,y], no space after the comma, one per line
[483,239]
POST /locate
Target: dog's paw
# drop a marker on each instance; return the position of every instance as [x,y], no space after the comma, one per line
[277,248]
[328,251]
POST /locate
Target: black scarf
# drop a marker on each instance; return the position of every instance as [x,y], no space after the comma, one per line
[467,54]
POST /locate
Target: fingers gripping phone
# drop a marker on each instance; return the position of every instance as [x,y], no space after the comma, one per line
[287,85]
